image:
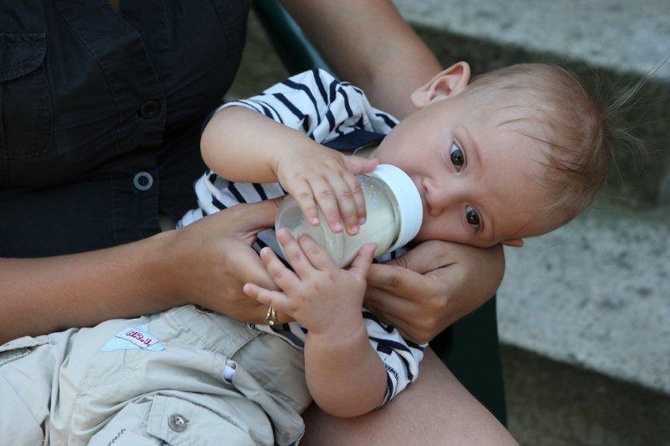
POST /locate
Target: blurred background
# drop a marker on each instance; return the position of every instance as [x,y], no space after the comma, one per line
[584,312]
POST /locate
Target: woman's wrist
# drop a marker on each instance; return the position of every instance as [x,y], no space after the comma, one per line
[163,269]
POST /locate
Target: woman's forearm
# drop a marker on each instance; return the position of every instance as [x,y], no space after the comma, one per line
[43,295]
[205,263]
[369,44]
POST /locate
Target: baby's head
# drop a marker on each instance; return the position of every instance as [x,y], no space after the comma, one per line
[555,109]
[513,153]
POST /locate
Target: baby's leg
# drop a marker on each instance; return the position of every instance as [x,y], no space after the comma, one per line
[182,418]
[28,367]
[172,378]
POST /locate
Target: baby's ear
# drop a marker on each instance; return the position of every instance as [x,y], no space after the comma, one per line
[447,83]
[515,242]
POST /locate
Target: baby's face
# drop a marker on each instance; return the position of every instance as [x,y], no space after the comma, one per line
[481,181]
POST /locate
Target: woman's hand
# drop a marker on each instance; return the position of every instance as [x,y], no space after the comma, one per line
[210,260]
[433,285]
[205,263]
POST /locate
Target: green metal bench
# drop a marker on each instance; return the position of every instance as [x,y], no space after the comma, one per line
[470,347]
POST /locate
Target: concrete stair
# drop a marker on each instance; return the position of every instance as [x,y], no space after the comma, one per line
[613,43]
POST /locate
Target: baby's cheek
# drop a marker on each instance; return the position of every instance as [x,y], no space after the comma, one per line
[447,230]
[433,229]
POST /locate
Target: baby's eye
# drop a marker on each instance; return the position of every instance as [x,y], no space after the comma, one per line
[457,156]
[472,216]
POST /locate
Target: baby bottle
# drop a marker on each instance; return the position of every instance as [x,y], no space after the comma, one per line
[394,215]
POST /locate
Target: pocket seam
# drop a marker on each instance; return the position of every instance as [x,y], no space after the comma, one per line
[14,350]
[32,62]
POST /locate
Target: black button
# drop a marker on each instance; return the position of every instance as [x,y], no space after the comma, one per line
[150,109]
[143,181]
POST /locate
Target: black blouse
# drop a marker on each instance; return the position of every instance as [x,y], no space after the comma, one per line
[100,115]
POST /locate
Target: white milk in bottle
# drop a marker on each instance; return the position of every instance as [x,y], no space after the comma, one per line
[394,215]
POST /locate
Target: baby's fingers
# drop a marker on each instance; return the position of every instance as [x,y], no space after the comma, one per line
[282,276]
[317,256]
[356,164]
[361,264]
[359,216]
[263,295]
[350,201]
[302,193]
[353,211]
[328,195]
[301,254]
[271,298]
[341,201]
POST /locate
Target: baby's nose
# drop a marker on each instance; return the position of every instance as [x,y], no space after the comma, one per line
[442,199]
[439,201]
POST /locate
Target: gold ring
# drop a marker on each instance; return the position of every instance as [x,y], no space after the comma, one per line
[271,316]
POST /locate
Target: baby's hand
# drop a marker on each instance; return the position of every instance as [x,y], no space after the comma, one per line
[318,294]
[325,179]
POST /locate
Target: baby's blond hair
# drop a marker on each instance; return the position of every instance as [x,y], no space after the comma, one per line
[571,121]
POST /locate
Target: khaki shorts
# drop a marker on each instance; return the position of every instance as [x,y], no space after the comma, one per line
[180,377]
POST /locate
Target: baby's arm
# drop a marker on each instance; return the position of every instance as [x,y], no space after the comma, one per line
[345,375]
[244,146]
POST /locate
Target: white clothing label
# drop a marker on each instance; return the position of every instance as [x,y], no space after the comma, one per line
[134,338]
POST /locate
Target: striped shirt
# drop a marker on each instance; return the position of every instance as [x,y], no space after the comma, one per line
[326,110]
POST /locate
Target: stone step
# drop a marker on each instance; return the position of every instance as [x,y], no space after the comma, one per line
[595,294]
[612,42]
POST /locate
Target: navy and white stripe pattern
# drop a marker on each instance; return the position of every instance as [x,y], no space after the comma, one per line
[323,108]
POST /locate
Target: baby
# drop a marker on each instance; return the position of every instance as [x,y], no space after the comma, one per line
[515,153]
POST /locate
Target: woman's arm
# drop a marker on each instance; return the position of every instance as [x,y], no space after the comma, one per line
[369,44]
[205,263]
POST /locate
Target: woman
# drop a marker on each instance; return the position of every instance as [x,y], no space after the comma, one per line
[103,102]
